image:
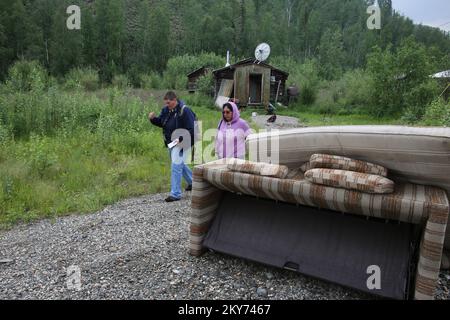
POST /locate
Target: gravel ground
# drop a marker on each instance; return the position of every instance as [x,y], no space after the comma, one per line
[282,122]
[137,249]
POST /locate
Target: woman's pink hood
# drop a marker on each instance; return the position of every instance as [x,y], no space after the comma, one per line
[236,113]
[230,142]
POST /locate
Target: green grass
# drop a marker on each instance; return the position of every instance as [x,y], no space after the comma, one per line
[98,150]
[76,174]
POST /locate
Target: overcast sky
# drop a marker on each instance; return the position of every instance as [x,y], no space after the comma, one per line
[434,13]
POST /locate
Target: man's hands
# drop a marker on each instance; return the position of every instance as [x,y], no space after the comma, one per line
[151,116]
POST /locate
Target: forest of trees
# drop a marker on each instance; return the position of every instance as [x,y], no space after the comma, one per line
[140,36]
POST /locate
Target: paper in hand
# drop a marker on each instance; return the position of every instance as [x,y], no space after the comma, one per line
[173,144]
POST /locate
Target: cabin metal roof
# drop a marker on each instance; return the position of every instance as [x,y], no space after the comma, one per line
[250,61]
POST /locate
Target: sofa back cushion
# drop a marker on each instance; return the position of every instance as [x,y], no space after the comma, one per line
[415,155]
[342,163]
[261,169]
[363,182]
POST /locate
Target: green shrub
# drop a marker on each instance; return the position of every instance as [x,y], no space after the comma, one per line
[72,84]
[24,113]
[121,81]
[299,73]
[26,76]
[7,188]
[106,73]
[199,100]
[437,113]
[152,81]
[39,154]
[175,76]
[84,79]
[308,94]
[355,88]
[4,133]
[305,76]
[48,112]
[418,99]
[398,76]
[108,125]
[205,85]
[134,77]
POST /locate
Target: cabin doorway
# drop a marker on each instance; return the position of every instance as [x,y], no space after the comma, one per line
[256,85]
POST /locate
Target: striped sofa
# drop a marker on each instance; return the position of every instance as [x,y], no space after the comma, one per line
[410,203]
[415,202]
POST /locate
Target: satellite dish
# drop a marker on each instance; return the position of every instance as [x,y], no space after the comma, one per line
[262,52]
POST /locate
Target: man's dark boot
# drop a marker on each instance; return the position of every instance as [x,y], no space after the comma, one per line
[172,199]
[189,188]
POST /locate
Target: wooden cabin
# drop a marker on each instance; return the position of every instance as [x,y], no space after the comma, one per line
[194,76]
[253,83]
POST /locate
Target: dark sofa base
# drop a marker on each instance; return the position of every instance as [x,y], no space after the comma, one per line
[317,243]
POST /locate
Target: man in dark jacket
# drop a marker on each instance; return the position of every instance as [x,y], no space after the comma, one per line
[176,118]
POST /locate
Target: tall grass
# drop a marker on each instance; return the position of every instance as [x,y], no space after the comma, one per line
[52,176]
[437,113]
[74,152]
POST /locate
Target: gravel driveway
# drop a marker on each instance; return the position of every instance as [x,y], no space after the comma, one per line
[282,122]
[137,249]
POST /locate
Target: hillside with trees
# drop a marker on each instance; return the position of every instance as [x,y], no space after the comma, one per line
[140,36]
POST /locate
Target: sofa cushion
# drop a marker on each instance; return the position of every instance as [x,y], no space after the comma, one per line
[343,163]
[261,169]
[351,180]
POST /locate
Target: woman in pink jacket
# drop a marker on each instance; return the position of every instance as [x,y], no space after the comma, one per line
[230,141]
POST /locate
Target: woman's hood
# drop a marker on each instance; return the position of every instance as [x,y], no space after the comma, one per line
[236,113]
